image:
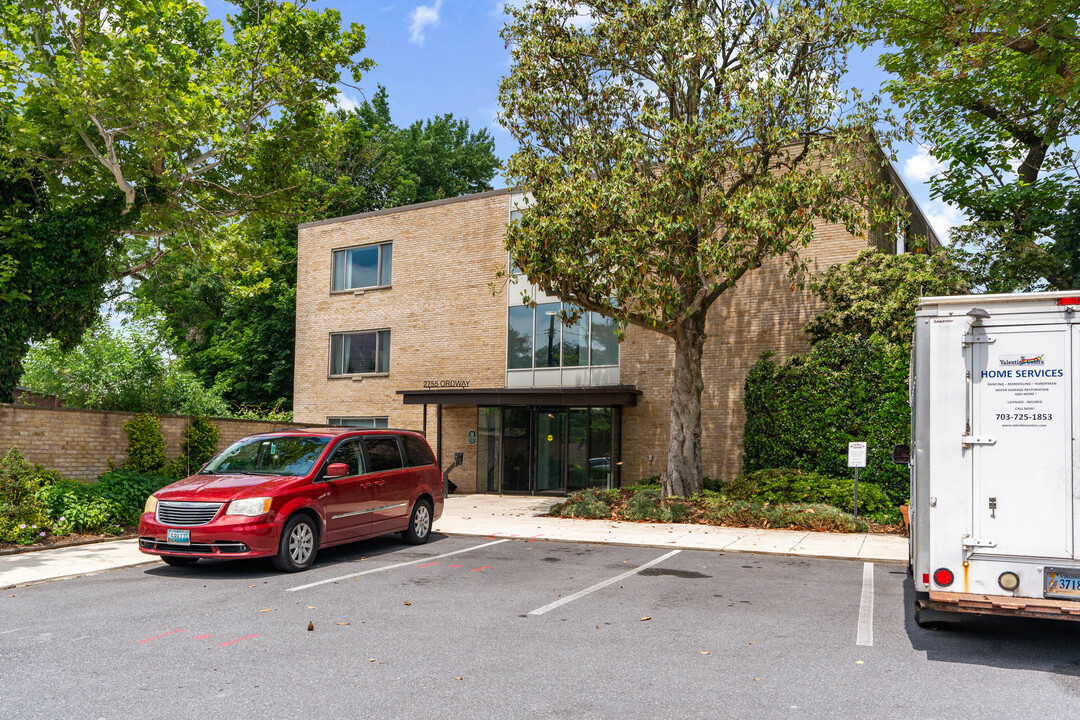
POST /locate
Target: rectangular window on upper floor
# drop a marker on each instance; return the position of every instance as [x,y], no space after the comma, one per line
[363,267]
[360,353]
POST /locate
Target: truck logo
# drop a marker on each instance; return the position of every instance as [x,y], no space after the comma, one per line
[1022,360]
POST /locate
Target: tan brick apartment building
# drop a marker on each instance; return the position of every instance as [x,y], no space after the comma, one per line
[397,325]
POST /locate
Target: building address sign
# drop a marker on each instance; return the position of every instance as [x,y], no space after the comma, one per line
[446,384]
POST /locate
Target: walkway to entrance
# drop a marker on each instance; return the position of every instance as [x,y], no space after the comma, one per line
[521,518]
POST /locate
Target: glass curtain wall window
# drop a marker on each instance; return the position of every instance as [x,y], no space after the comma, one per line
[360,353]
[536,337]
[363,267]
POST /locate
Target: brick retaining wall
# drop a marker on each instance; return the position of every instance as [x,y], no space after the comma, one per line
[80,443]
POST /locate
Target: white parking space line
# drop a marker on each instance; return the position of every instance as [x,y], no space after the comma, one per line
[594,588]
[5,632]
[396,565]
[865,634]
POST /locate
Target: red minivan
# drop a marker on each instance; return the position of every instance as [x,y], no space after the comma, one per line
[286,494]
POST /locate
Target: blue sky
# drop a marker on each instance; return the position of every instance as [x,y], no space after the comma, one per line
[446,56]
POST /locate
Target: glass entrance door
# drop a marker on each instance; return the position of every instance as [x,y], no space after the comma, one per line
[516,455]
[549,450]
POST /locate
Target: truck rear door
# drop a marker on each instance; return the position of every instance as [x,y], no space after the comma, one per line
[1019,444]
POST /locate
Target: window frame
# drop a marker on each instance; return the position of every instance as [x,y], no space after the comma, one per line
[374,418]
[378,264]
[378,353]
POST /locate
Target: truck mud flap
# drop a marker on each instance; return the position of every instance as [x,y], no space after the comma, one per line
[1001,605]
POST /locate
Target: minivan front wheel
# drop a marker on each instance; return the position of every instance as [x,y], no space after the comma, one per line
[298,544]
[419,524]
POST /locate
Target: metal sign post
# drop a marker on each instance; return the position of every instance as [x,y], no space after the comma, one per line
[856,458]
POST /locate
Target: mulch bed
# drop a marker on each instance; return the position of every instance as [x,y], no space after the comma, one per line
[699,515]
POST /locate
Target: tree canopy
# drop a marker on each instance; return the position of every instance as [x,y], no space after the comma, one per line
[190,119]
[53,267]
[993,87]
[670,148]
[877,293]
[120,369]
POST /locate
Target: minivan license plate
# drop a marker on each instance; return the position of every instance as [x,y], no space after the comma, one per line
[1061,583]
[178,537]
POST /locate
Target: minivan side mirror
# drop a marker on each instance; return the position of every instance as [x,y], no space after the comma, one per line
[336,470]
[901,454]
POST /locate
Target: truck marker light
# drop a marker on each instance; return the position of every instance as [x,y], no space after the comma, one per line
[943,577]
[926,578]
[1008,581]
[1069,301]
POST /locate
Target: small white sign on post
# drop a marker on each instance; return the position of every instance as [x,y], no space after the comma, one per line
[856,454]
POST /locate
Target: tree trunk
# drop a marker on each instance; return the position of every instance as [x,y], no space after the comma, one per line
[683,475]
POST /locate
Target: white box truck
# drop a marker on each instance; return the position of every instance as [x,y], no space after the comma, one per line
[995,382]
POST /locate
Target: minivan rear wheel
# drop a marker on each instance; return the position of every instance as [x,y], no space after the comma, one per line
[419,524]
[298,545]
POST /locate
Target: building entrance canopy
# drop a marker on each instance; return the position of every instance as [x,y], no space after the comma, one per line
[614,395]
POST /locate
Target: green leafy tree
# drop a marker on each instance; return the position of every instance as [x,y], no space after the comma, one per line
[119,370]
[994,89]
[192,120]
[53,267]
[672,147]
[876,294]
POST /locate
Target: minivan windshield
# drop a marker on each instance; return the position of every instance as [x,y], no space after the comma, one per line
[268,456]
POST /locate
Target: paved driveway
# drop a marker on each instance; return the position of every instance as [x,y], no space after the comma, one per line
[494,628]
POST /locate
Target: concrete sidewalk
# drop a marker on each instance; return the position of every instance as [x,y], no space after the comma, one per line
[508,516]
[512,516]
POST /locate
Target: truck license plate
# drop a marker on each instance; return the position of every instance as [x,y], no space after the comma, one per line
[178,537]
[1061,583]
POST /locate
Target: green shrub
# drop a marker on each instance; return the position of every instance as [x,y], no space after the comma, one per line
[117,498]
[647,505]
[146,446]
[778,486]
[200,444]
[592,504]
[803,412]
[22,515]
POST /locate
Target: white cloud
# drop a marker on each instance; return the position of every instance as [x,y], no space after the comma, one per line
[423,17]
[922,166]
[943,217]
[343,102]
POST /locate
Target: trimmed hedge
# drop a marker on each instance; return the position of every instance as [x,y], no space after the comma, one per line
[803,412]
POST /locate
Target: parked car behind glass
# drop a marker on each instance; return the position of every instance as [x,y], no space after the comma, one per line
[287,494]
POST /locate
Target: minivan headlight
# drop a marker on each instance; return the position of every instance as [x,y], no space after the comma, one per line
[151,505]
[249,507]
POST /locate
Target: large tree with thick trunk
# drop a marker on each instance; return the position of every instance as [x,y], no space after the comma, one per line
[672,146]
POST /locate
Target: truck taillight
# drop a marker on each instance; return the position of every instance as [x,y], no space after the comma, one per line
[943,577]
[1069,301]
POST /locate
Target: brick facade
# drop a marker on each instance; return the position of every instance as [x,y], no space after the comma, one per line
[446,323]
[81,443]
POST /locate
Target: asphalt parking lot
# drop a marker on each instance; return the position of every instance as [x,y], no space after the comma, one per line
[495,628]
